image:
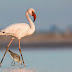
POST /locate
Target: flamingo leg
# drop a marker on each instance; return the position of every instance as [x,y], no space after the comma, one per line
[6,50]
[21,53]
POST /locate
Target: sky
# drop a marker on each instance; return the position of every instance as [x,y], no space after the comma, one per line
[48,12]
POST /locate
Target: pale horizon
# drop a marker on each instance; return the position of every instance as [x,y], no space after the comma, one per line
[48,13]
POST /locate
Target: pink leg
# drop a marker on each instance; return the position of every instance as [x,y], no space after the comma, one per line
[21,53]
[6,50]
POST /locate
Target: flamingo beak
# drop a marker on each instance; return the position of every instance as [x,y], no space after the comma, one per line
[34,15]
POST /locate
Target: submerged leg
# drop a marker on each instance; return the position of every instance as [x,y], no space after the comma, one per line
[21,53]
[13,62]
[6,50]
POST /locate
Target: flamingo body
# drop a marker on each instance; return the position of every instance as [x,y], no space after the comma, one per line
[18,30]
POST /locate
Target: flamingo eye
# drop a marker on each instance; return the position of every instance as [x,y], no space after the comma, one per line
[32,12]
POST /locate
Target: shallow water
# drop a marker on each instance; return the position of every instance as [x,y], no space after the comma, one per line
[41,60]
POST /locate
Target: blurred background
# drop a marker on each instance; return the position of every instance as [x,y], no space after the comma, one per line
[49,48]
[53,23]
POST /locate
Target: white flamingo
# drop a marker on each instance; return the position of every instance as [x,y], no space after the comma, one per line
[20,30]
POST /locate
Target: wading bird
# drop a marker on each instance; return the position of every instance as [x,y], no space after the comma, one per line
[20,30]
[15,57]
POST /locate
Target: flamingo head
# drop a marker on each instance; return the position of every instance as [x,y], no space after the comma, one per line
[31,11]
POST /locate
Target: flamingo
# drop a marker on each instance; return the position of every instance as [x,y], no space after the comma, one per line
[20,30]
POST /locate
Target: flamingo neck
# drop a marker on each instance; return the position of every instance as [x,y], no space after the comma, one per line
[32,26]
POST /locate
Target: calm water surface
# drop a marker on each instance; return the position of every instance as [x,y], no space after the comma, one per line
[42,60]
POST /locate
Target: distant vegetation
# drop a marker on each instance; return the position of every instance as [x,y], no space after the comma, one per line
[54,29]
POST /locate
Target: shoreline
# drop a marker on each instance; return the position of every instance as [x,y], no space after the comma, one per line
[38,40]
[41,44]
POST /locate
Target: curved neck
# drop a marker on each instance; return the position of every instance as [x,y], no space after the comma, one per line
[32,26]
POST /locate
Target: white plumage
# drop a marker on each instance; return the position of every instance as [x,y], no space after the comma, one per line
[20,30]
